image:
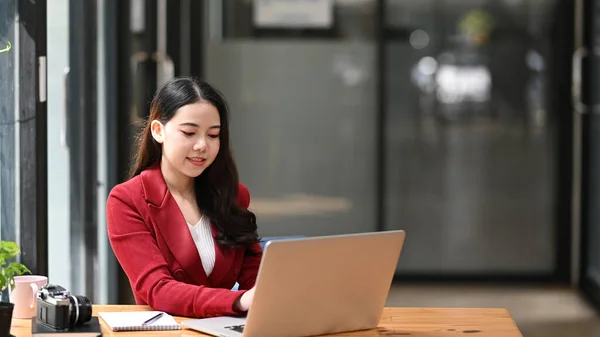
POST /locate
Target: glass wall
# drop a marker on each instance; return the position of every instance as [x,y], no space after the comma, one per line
[470,147]
[22,129]
[58,150]
[77,144]
[303,108]
[9,86]
[471,144]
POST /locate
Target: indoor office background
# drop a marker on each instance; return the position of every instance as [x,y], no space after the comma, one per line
[470,124]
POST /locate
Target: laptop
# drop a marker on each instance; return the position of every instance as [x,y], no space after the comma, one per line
[315,286]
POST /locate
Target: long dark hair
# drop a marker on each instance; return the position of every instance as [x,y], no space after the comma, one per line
[217,187]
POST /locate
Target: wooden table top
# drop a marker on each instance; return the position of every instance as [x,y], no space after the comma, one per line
[413,322]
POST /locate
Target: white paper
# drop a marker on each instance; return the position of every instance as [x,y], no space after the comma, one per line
[132,321]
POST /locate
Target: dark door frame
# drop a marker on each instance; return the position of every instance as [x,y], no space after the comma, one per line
[81,137]
[32,125]
[588,112]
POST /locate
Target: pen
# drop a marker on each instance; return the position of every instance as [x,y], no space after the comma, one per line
[153,319]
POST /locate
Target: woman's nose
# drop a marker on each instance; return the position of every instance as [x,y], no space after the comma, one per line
[200,145]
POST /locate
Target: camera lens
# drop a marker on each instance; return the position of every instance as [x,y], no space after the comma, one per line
[80,310]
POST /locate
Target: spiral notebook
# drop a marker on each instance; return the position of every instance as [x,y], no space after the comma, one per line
[132,321]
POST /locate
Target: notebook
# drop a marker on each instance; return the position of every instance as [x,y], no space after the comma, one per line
[132,321]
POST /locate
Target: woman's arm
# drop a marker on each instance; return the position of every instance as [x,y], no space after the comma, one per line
[145,266]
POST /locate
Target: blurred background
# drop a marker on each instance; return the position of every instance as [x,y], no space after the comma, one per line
[471,124]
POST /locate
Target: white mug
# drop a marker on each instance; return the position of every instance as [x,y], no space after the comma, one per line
[23,296]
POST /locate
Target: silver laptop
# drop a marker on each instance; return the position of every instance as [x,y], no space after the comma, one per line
[314,286]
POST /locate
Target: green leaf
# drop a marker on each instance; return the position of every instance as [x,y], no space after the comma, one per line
[8,251]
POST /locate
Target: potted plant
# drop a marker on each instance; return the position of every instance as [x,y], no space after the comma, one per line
[8,270]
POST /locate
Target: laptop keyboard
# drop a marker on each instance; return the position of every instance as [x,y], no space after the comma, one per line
[238,328]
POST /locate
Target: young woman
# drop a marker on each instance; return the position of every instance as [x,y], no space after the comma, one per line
[180,227]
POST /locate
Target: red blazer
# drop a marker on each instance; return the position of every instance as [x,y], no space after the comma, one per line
[153,244]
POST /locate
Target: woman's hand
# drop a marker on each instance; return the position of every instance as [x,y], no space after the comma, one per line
[245,301]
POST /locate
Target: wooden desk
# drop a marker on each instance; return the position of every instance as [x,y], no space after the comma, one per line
[413,322]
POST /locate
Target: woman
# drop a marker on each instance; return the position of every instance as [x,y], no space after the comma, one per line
[179,226]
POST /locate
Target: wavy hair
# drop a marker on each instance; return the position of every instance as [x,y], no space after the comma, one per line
[217,187]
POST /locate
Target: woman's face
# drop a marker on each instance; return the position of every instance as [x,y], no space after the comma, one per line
[190,140]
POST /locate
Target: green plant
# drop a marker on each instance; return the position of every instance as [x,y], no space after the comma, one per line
[7,48]
[8,270]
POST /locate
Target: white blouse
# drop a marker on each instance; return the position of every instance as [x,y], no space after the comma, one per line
[202,235]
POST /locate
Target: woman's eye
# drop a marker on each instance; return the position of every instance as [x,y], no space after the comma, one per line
[213,136]
[187,134]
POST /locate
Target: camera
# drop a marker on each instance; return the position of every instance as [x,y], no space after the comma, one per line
[59,310]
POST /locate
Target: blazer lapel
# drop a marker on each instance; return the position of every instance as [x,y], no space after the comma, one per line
[171,225]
